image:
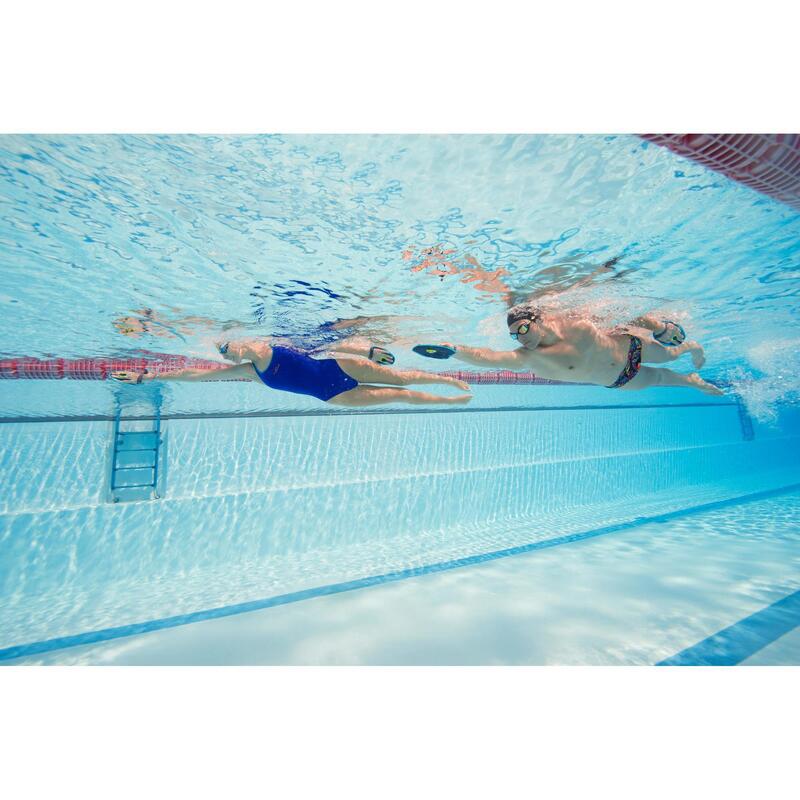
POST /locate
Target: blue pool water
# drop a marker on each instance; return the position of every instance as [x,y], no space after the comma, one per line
[270,502]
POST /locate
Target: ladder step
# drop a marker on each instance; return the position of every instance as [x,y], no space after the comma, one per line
[122,478]
[141,466]
[135,458]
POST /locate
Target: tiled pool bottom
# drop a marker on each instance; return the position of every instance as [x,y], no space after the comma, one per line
[714,587]
[262,512]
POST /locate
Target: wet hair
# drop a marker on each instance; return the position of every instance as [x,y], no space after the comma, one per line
[523,311]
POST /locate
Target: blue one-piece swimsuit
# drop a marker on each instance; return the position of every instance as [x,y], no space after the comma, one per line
[293,371]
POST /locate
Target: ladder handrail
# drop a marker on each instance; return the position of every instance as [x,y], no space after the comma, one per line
[158,445]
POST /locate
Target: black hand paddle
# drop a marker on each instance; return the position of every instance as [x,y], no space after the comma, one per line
[434,350]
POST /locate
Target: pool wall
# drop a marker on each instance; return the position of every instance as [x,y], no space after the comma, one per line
[259,506]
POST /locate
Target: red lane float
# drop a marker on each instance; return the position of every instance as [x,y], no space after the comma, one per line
[94,369]
[100,369]
[766,162]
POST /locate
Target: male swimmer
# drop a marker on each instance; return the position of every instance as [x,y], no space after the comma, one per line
[576,350]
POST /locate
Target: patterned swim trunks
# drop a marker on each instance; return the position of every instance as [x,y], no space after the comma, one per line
[632,365]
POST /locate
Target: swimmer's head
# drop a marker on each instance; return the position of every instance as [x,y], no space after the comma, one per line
[238,350]
[524,325]
[230,351]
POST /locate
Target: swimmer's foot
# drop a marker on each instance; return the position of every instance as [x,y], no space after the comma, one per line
[704,386]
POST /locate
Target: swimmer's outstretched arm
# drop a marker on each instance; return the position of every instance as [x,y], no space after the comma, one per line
[222,374]
[236,373]
[484,357]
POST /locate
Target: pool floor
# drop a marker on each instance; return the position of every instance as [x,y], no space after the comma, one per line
[718,587]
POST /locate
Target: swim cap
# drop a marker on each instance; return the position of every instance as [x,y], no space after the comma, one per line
[523,311]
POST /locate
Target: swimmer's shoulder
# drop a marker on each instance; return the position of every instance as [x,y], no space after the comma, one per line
[584,330]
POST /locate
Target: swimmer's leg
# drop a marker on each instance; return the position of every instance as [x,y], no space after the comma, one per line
[648,377]
[366,372]
[366,395]
[654,352]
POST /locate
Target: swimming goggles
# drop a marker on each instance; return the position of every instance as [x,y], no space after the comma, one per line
[522,330]
[223,348]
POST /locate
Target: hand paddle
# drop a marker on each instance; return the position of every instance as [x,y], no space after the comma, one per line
[434,350]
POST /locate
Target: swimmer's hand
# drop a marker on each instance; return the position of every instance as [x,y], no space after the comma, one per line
[672,335]
[380,356]
[130,377]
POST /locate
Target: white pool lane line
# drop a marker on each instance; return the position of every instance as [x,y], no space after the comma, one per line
[639,597]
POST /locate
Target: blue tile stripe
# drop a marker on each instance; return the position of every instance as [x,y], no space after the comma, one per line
[739,641]
[106,634]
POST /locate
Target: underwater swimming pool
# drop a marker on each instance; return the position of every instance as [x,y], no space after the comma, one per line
[119,247]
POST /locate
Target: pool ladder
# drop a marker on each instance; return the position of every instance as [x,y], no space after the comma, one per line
[135,458]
